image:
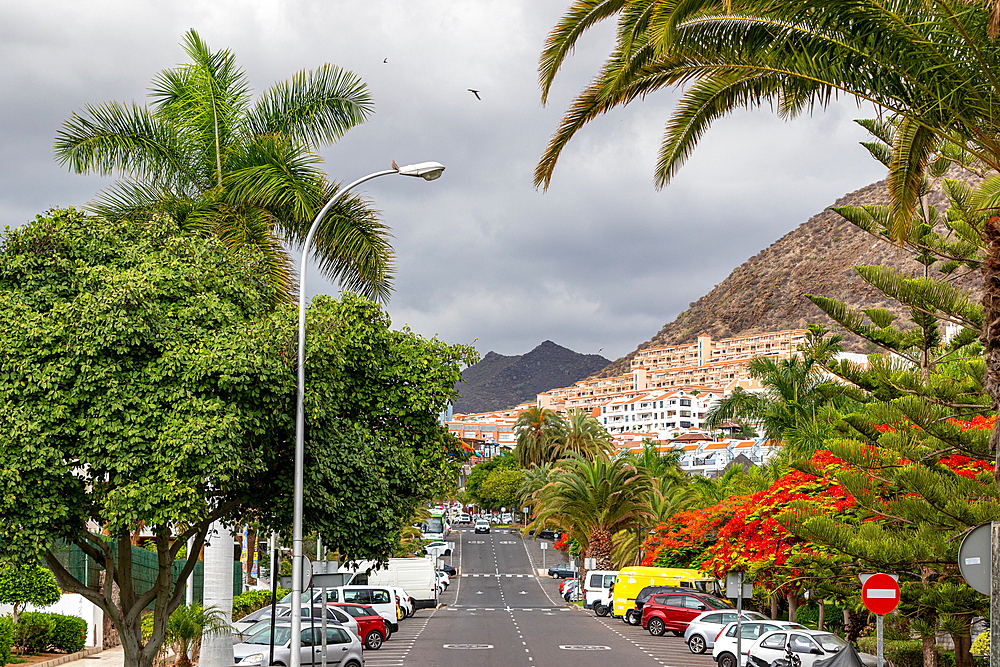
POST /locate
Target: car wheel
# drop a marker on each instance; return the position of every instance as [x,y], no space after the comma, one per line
[656,627]
[727,660]
[555,575]
[696,644]
[632,617]
[373,640]
[352,663]
[600,609]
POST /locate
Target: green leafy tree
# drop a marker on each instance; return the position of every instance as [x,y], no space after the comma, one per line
[146,378]
[21,585]
[501,487]
[482,470]
[248,173]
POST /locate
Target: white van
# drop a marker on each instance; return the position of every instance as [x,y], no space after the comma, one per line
[597,590]
[414,575]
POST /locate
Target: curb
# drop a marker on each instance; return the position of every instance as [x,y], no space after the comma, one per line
[69,657]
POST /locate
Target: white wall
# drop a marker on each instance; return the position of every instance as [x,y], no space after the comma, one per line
[73,604]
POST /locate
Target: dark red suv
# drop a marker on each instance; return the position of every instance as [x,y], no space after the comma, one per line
[673,611]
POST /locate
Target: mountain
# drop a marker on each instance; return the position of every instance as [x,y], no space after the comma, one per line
[498,381]
[768,291]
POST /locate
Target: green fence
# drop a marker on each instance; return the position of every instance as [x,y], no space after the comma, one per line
[145,567]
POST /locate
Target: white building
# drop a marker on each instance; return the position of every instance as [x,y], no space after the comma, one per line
[666,413]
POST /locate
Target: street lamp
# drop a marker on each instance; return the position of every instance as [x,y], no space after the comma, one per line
[428,171]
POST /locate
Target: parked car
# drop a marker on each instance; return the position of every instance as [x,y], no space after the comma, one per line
[563,570]
[549,534]
[281,611]
[724,650]
[283,614]
[808,645]
[705,627]
[343,649]
[507,518]
[572,591]
[482,526]
[464,518]
[674,611]
[643,596]
[445,577]
[565,583]
[441,547]
[449,570]
[371,626]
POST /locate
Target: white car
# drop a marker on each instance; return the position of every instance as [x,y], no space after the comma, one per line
[332,614]
[808,645]
[507,518]
[441,547]
[724,651]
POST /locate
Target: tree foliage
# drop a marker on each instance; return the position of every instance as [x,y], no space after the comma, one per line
[248,173]
[146,379]
[21,585]
[501,487]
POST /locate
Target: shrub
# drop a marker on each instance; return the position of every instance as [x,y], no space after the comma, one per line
[32,632]
[20,586]
[6,638]
[899,653]
[69,633]
[252,601]
[981,646]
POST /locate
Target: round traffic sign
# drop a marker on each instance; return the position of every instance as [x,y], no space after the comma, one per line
[974,558]
[880,593]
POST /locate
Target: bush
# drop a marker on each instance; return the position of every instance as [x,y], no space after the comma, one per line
[252,601]
[899,653]
[981,646]
[32,632]
[69,633]
[6,638]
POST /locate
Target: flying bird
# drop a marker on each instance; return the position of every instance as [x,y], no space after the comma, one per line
[386,60]
[395,166]
[476,93]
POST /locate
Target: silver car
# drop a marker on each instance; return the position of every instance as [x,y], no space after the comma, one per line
[704,627]
[343,649]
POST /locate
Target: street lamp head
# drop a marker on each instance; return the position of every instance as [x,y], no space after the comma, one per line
[425,170]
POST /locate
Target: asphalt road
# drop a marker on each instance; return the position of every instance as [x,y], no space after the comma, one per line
[499,613]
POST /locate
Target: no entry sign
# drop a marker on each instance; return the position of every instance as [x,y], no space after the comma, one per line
[880,593]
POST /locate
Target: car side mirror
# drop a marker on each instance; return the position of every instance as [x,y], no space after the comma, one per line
[702,607]
[815,651]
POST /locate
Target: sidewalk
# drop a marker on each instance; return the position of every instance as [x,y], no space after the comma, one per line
[112,657]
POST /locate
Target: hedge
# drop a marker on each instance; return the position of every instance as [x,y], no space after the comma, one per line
[899,653]
[252,601]
[6,639]
[36,632]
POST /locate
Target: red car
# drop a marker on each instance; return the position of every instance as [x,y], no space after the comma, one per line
[371,626]
[565,582]
[673,611]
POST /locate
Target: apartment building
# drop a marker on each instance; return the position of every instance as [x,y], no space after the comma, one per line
[665,413]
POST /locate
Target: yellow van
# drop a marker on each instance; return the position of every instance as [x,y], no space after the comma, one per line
[631,580]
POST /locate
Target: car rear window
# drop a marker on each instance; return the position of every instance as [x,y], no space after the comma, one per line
[674,600]
[713,618]
[595,580]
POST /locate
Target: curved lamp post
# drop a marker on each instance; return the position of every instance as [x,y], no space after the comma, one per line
[427,171]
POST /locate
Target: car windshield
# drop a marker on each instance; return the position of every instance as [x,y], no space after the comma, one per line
[281,636]
[829,642]
[715,603]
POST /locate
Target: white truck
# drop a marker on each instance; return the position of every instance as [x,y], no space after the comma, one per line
[416,576]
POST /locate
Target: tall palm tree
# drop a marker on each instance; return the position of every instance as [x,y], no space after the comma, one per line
[582,434]
[933,67]
[592,499]
[538,429]
[249,173]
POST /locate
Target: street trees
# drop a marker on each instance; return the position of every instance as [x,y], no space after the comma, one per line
[249,174]
[538,429]
[501,487]
[146,379]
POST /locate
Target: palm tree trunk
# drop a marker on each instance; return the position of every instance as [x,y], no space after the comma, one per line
[600,548]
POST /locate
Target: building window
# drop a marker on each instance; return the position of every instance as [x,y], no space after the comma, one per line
[686,402]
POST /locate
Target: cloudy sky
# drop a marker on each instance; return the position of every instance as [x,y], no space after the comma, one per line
[600,261]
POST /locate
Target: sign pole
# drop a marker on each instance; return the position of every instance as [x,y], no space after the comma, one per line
[739,630]
[878,639]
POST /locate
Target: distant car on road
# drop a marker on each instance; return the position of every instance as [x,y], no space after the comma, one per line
[464,518]
[482,526]
[563,571]
[441,547]
[507,518]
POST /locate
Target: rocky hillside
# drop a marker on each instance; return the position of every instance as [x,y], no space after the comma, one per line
[498,382]
[767,292]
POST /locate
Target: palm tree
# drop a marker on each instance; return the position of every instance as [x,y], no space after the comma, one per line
[186,627]
[203,154]
[537,431]
[933,68]
[591,500]
[582,434]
